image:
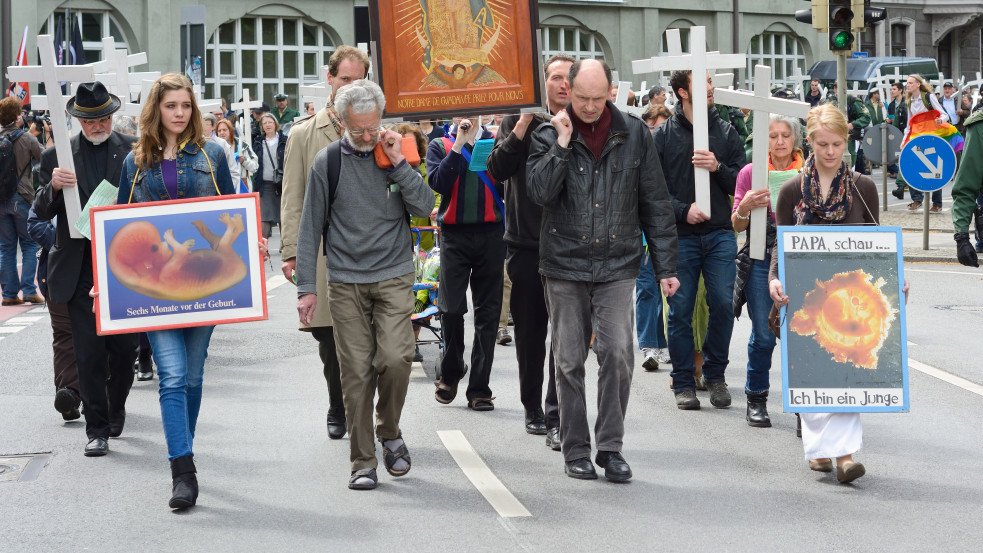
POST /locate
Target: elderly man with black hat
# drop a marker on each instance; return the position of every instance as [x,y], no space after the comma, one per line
[283,113]
[98,153]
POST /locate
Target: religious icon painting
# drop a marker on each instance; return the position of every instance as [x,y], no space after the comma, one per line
[179,263]
[456,57]
[844,335]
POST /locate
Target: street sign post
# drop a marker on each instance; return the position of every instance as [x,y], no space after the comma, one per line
[927,164]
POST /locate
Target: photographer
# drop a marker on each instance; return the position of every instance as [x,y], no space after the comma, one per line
[40,127]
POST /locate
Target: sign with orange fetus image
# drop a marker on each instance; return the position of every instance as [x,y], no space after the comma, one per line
[177,264]
[446,57]
[844,339]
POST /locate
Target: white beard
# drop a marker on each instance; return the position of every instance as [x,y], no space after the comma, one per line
[97,141]
[357,147]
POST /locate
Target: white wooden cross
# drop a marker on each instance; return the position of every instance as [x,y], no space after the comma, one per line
[699,61]
[856,90]
[883,82]
[763,105]
[246,105]
[114,70]
[621,100]
[318,94]
[801,82]
[206,106]
[974,84]
[722,80]
[52,75]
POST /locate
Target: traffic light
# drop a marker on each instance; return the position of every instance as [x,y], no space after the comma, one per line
[840,25]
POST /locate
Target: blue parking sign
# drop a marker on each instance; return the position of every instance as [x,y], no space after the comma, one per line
[927,163]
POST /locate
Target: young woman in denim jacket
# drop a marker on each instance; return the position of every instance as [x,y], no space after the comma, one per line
[171,161]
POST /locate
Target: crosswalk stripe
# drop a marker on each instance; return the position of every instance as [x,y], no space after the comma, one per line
[497,495]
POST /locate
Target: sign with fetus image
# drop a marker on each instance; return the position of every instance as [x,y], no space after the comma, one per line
[844,337]
[178,264]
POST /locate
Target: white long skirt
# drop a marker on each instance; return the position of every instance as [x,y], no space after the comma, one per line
[831,435]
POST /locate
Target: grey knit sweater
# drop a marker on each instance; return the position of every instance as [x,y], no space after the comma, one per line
[368,238]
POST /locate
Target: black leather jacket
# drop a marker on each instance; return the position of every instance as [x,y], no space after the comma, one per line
[595,210]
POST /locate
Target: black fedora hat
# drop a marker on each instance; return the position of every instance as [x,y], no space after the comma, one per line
[92,101]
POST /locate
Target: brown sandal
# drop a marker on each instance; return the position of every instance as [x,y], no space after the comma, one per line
[444,394]
[481,404]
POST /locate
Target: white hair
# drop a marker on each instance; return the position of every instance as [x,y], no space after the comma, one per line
[794,125]
[362,96]
[124,124]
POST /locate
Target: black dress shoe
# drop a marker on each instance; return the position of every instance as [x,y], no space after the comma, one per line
[582,469]
[97,447]
[536,421]
[616,469]
[116,422]
[66,403]
[145,370]
[553,439]
[757,410]
[337,426]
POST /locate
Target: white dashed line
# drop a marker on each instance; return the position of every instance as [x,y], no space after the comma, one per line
[946,377]
[275,282]
[907,270]
[497,495]
[25,319]
[11,329]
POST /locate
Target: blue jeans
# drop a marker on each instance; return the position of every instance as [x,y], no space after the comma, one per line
[180,356]
[13,228]
[712,254]
[648,308]
[917,196]
[761,344]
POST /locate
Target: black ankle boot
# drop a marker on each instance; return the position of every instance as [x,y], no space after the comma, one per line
[185,483]
[757,410]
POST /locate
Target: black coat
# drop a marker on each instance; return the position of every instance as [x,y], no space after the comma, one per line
[674,141]
[595,210]
[507,164]
[65,260]
[259,147]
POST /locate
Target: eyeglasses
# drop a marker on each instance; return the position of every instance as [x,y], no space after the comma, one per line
[359,132]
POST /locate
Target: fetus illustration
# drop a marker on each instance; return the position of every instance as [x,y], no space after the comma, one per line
[171,270]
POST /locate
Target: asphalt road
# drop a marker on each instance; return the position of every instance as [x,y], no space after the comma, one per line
[704,481]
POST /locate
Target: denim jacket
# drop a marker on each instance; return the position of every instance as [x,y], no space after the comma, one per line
[195,169]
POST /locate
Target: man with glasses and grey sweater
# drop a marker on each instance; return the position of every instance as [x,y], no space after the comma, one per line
[360,207]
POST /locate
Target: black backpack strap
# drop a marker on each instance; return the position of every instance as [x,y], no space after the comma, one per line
[334,173]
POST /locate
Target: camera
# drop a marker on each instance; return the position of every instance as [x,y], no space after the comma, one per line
[38,119]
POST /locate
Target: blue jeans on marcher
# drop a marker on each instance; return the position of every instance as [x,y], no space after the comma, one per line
[712,254]
[917,196]
[13,229]
[648,308]
[761,344]
[180,356]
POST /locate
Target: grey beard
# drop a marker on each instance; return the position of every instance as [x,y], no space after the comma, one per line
[96,142]
[357,147]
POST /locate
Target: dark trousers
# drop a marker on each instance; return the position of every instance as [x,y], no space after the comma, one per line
[475,259]
[66,372]
[103,391]
[531,323]
[332,369]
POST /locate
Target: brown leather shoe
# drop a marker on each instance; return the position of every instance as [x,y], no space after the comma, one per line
[821,465]
[12,301]
[849,471]
[935,209]
[914,206]
[33,299]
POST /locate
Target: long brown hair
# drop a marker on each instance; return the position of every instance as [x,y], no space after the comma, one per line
[149,149]
[232,131]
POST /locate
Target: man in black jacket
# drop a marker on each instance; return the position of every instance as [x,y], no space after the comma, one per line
[597,176]
[98,153]
[706,243]
[523,219]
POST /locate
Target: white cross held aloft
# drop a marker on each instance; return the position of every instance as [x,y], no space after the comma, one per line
[52,75]
[973,85]
[621,100]
[883,81]
[699,61]
[800,83]
[245,105]
[763,105]
[206,106]
[119,80]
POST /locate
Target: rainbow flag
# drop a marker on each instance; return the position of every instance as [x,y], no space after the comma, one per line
[924,123]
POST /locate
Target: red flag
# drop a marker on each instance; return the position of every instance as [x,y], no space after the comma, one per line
[21,90]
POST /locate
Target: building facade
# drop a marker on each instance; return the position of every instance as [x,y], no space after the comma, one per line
[272,47]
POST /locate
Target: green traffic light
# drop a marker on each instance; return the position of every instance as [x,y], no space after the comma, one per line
[842,40]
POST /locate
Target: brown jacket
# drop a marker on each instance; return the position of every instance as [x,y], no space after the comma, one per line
[307,138]
[26,148]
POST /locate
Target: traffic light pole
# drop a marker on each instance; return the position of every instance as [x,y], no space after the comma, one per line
[841,95]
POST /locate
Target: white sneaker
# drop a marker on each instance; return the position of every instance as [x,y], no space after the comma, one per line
[650,362]
[663,356]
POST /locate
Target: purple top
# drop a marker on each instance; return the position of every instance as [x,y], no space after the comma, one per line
[743,186]
[169,169]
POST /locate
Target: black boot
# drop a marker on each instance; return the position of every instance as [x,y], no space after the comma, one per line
[145,366]
[185,483]
[757,410]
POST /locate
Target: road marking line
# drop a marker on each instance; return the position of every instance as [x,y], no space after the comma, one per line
[275,282]
[26,319]
[497,495]
[910,343]
[943,272]
[946,377]
[11,329]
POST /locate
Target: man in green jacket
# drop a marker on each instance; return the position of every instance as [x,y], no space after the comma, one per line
[967,189]
[283,113]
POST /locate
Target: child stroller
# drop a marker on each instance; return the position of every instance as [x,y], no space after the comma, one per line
[426,314]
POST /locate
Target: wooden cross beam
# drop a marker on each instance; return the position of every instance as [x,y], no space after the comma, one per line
[722,80]
[52,75]
[206,106]
[800,82]
[245,105]
[883,82]
[763,105]
[621,101]
[699,61]
[318,93]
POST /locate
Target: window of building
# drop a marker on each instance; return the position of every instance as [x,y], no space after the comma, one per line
[93,24]
[783,52]
[867,39]
[945,56]
[899,39]
[267,55]
[577,42]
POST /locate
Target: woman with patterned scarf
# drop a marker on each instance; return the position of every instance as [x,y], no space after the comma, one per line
[785,161]
[827,193]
